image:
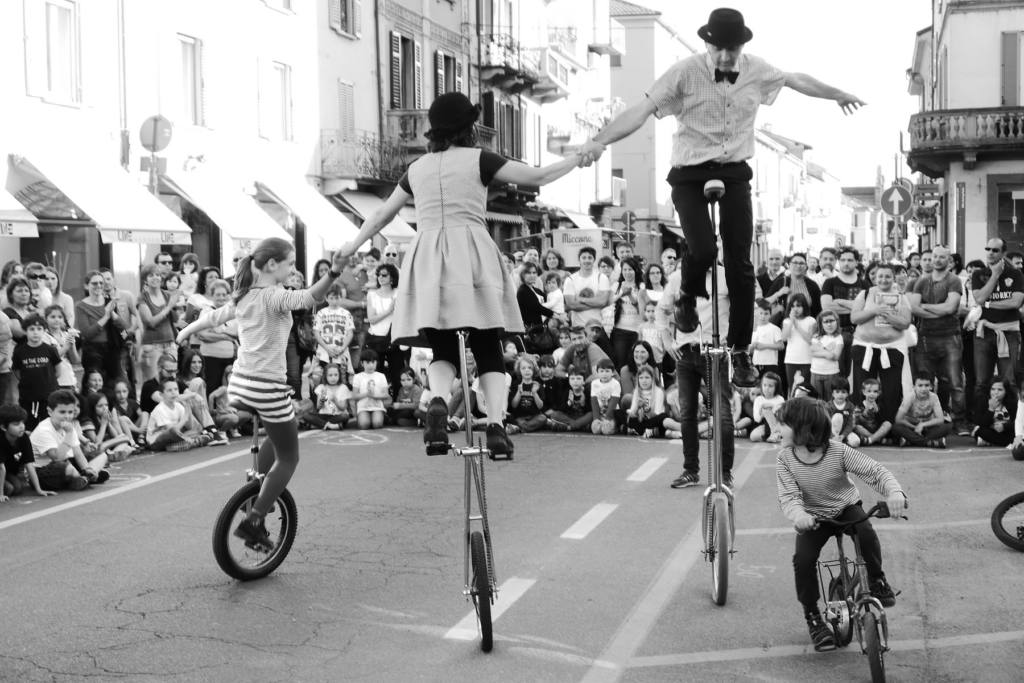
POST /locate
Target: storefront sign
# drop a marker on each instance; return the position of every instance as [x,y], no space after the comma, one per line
[146,237]
[19,229]
[569,242]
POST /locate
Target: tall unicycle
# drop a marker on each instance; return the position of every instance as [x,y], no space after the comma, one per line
[717,513]
[247,561]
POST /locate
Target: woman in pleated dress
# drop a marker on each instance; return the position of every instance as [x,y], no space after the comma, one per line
[453,277]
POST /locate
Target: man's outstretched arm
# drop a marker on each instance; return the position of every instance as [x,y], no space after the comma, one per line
[623,125]
[812,87]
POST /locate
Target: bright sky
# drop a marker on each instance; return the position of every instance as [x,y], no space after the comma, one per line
[862,47]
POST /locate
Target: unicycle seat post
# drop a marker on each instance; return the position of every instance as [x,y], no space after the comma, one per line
[464,373]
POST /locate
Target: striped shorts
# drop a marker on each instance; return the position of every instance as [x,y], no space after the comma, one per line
[272,401]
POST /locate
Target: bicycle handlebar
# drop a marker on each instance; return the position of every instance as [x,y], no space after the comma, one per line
[880,511]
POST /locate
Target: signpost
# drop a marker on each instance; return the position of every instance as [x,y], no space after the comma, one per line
[155,135]
[897,202]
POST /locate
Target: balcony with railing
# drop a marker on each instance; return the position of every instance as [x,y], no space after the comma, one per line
[505,63]
[938,138]
[407,127]
[361,155]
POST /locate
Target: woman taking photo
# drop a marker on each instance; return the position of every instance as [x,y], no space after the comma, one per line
[100,328]
[156,309]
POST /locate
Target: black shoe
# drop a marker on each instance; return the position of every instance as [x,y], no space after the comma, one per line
[435,435]
[821,633]
[686,479]
[686,313]
[744,374]
[882,591]
[498,442]
[254,533]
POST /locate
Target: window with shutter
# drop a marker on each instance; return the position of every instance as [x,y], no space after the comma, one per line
[191,93]
[418,97]
[346,110]
[438,73]
[52,50]
[487,104]
[35,48]
[458,75]
[517,123]
[357,18]
[1010,76]
[334,14]
[396,70]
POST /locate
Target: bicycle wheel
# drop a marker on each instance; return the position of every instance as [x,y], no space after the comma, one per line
[481,589]
[1008,521]
[873,648]
[719,547]
[235,557]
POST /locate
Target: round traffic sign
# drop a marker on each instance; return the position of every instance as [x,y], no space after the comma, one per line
[896,201]
[155,133]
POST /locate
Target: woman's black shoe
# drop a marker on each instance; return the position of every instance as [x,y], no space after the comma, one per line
[435,435]
[498,442]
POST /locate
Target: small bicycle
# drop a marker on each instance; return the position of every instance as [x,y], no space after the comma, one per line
[246,561]
[850,606]
[480,584]
[1008,521]
[718,511]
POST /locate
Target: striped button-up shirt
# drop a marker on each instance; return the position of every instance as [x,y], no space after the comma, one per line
[716,120]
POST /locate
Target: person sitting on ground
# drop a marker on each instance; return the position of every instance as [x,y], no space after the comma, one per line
[765,408]
[996,417]
[407,399]
[370,397]
[646,414]
[583,355]
[870,427]
[605,392]
[812,474]
[194,404]
[526,400]
[332,401]
[573,413]
[59,460]
[743,409]
[841,413]
[920,420]
[17,471]
[169,423]
[554,388]
[102,426]
[133,420]
[227,417]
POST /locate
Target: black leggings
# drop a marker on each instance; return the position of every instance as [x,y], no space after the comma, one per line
[485,344]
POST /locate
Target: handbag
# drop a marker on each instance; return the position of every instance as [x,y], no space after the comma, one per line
[542,338]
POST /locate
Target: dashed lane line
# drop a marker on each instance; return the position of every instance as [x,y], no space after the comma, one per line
[102,495]
[508,592]
[644,472]
[632,633]
[894,526]
[589,521]
[747,653]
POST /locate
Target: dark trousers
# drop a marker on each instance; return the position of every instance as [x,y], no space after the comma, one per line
[1003,438]
[108,359]
[691,368]
[736,225]
[890,379]
[844,356]
[622,346]
[987,361]
[213,372]
[808,548]
[926,435]
[941,356]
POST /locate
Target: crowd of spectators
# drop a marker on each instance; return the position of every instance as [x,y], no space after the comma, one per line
[930,346]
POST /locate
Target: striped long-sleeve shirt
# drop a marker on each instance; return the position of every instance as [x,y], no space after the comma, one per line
[824,489]
[264,318]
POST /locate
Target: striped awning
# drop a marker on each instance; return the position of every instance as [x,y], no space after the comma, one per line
[504,217]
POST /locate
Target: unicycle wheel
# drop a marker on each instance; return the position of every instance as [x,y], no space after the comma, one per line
[480,589]
[1008,521]
[239,559]
[720,540]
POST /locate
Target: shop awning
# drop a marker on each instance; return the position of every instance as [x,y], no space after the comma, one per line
[581,220]
[504,217]
[227,205]
[15,220]
[678,232]
[321,217]
[364,204]
[76,188]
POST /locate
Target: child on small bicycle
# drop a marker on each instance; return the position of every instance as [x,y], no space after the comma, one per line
[812,474]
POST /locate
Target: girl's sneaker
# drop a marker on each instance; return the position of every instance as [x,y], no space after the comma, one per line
[821,633]
[498,442]
[435,435]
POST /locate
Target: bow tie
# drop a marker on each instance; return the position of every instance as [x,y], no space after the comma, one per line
[725,75]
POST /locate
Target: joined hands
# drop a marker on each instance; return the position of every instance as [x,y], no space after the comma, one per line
[589,153]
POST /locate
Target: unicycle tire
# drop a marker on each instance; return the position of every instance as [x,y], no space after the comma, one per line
[235,556]
[1010,512]
[873,647]
[480,589]
[720,541]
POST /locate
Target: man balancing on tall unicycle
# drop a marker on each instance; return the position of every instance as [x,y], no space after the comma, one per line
[714,97]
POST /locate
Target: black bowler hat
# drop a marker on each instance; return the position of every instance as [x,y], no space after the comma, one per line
[451,113]
[725,28]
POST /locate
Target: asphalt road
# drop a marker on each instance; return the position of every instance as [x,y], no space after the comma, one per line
[597,559]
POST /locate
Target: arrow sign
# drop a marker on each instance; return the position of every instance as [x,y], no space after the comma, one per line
[896,202]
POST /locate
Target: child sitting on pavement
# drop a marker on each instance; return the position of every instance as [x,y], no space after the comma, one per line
[920,420]
[812,476]
[16,460]
[646,413]
[332,401]
[996,417]
[605,392]
[841,412]
[407,399]
[168,427]
[370,397]
[59,460]
[765,407]
[526,400]
[573,413]
[869,425]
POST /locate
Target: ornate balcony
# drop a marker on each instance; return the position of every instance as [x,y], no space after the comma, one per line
[938,138]
[505,63]
[361,156]
[407,127]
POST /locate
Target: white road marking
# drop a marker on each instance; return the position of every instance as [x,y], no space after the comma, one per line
[740,654]
[893,526]
[98,496]
[508,593]
[589,521]
[644,472]
[632,633]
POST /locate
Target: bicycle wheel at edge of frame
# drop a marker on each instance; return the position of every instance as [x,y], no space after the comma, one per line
[999,514]
[224,539]
[720,542]
[480,589]
[873,647]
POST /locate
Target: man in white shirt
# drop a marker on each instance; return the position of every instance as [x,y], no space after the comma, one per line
[586,291]
[827,265]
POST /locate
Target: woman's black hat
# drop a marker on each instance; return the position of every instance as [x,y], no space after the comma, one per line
[725,28]
[450,113]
